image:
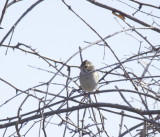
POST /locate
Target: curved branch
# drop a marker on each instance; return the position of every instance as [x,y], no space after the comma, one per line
[123,14]
[23,15]
[75,108]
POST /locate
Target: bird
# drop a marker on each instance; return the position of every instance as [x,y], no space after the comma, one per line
[89,78]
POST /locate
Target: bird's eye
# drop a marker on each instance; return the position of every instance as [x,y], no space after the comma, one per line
[86,66]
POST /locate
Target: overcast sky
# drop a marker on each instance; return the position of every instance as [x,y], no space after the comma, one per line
[55,32]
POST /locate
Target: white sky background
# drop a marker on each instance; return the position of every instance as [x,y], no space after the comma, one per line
[57,33]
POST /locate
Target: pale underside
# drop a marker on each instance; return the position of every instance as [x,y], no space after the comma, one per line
[89,81]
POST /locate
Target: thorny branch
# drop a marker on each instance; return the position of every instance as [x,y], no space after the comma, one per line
[68,104]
